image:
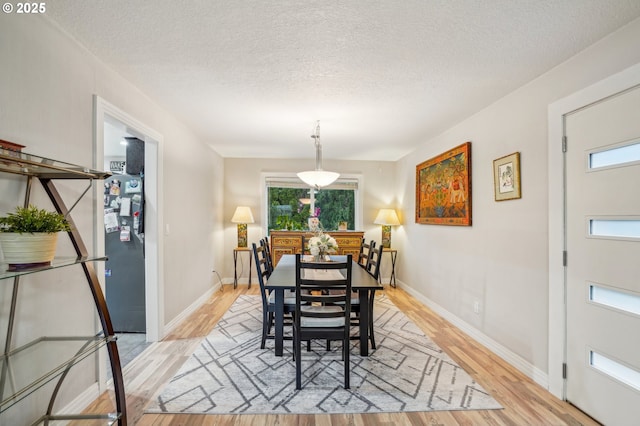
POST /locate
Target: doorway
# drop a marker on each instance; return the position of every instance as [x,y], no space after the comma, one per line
[124,217]
[153,301]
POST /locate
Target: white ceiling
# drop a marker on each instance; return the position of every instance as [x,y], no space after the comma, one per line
[251,77]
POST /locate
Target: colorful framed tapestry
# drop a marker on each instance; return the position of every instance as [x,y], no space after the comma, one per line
[443,188]
[506,177]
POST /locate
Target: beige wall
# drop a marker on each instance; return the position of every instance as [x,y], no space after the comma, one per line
[243,185]
[47,86]
[502,260]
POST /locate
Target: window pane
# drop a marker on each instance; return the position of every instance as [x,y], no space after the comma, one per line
[616,299]
[615,156]
[616,370]
[289,208]
[615,228]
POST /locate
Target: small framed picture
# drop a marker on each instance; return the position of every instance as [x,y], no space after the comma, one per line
[506,177]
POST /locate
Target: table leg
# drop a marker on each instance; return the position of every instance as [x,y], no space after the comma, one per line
[250,266]
[235,269]
[392,280]
[279,331]
[364,322]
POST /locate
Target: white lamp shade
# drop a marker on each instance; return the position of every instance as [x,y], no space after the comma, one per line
[242,215]
[387,217]
[318,178]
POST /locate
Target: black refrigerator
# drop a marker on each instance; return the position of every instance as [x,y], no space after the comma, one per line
[124,247]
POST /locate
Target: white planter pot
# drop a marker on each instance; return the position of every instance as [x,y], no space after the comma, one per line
[21,251]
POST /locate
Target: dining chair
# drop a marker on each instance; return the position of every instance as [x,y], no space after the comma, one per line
[267,254]
[374,261]
[373,268]
[321,313]
[268,299]
[365,251]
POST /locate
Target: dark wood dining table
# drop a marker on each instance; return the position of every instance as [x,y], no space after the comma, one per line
[283,278]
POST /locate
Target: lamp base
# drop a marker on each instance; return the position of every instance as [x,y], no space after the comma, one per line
[242,235]
[386,236]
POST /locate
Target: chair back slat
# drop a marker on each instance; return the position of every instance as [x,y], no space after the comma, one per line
[330,291]
[304,245]
[375,259]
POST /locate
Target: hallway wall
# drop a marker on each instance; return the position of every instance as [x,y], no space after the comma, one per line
[501,261]
[47,86]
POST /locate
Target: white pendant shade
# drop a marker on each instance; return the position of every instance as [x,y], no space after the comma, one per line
[318,178]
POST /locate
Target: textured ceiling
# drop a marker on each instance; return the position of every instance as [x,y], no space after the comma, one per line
[252,77]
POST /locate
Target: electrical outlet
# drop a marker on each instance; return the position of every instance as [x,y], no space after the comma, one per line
[476,307]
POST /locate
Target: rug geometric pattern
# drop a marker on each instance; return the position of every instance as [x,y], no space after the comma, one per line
[229,373]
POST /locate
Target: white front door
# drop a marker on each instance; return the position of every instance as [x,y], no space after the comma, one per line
[603,258]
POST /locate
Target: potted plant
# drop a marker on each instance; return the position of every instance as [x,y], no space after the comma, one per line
[29,236]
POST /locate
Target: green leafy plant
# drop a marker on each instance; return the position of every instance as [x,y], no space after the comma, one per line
[285,222]
[31,219]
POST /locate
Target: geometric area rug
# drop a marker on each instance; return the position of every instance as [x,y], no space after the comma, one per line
[229,374]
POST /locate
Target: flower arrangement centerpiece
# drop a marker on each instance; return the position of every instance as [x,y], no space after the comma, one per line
[321,245]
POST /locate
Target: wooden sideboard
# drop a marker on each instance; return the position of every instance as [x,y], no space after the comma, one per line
[290,242]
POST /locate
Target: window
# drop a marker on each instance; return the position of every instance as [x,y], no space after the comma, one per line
[615,370]
[616,299]
[615,228]
[288,203]
[620,155]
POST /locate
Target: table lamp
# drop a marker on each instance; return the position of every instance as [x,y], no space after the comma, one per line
[386,218]
[242,216]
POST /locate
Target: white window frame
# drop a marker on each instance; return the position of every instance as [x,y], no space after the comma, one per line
[293,178]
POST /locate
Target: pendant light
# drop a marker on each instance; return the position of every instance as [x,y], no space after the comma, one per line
[318,178]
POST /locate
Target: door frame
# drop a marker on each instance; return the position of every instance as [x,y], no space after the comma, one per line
[154,279]
[557,111]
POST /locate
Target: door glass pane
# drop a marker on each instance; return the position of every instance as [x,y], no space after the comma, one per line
[615,228]
[616,299]
[615,156]
[616,370]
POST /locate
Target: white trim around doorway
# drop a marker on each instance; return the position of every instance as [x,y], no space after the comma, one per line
[154,281]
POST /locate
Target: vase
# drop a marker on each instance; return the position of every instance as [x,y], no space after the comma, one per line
[314,223]
[322,257]
[26,250]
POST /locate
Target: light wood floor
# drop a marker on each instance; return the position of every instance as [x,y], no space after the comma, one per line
[525,402]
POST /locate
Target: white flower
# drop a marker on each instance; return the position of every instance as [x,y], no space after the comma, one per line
[322,244]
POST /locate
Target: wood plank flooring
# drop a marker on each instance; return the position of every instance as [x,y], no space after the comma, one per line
[525,402]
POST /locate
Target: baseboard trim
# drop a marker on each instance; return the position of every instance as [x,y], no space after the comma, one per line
[82,401]
[524,366]
[171,325]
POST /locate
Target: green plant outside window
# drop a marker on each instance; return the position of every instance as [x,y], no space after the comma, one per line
[288,211]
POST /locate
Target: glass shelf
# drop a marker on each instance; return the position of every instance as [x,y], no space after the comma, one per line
[25,372]
[21,163]
[46,360]
[58,262]
[63,420]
